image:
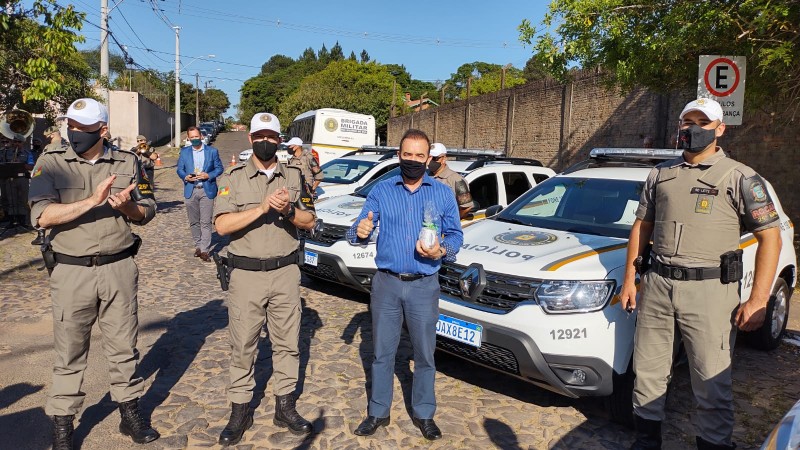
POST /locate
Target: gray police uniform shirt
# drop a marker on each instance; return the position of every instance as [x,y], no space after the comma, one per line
[699,211]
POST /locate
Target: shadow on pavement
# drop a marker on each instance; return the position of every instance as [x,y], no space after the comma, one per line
[24,265]
[16,392]
[165,207]
[169,358]
[28,429]
[501,435]
[310,322]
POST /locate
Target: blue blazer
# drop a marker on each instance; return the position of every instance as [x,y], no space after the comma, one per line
[212,166]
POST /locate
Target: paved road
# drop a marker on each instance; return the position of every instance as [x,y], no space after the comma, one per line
[183,342]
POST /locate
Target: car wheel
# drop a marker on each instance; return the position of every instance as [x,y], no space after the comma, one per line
[768,337]
[620,403]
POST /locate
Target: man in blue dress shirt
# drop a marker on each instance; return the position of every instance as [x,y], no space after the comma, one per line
[406,284]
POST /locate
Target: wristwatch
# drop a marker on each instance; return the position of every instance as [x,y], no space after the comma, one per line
[441,252]
[291,212]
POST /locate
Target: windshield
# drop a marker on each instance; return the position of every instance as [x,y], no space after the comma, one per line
[363,191]
[345,171]
[580,205]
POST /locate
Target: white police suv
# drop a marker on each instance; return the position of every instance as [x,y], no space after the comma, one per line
[493,180]
[346,174]
[533,291]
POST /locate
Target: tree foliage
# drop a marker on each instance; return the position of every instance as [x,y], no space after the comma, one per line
[349,85]
[485,76]
[213,102]
[656,44]
[116,62]
[39,65]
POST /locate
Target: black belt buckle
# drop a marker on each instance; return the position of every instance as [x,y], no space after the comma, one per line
[91,261]
[409,276]
[678,273]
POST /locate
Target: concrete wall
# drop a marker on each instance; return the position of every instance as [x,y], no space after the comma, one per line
[559,124]
[132,114]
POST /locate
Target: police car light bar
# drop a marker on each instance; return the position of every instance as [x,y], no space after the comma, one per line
[635,153]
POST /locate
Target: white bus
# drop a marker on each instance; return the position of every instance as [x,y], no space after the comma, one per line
[333,132]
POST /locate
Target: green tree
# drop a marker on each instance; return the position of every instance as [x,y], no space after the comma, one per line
[491,81]
[116,62]
[323,55]
[337,54]
[364,56]
[276,63]
[362,88]
[535,69]
[656,44]
[309,55]
[352,56]
[40,66]
[213,102]
[457,83]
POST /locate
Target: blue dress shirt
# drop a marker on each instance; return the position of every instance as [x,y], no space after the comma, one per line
[199,159]
[399,214]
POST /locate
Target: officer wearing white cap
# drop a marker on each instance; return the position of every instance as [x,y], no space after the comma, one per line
[87,194]
[261,204]
[692,208]
[438,169]
[305,161]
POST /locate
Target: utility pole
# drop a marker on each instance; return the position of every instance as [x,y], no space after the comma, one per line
[503,76]
[441,97]
[197,99]
[394,96]
[177,86]
[104,47]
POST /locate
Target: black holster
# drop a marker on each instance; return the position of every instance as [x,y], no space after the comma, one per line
[732,266]
[49,256]
[223,270]
[642,263]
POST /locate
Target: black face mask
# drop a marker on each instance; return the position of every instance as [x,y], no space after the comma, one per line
[82,141]
[434,166]
[412,170]
[695,138]
[264,150]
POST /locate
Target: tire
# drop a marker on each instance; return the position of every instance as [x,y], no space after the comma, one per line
[619,404]
[768,337]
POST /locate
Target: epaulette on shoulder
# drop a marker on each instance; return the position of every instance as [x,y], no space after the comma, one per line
[60,149]
[235,167]
[117,149]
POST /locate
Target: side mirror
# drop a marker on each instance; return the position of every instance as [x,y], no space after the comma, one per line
[493,210]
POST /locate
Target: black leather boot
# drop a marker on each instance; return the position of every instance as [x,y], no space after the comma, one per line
[703,444]
[134,425]
[241,420]
[286,415]
[648,434]
[62,432]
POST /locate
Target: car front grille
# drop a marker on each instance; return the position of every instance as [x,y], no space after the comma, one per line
[323,271]
[329,235]
[501,294]
[490,355]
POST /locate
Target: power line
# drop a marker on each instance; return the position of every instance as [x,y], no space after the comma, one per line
[216,15]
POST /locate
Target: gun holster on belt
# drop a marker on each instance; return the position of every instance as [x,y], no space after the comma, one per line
[642,263]
[223,270]
[49,256]
[732,266]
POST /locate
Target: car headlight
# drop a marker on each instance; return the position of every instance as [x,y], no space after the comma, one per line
[574,296]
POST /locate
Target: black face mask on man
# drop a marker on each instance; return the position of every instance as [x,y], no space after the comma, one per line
[265,150]
[696,138]
[413,170]
[82,141]
[434,166]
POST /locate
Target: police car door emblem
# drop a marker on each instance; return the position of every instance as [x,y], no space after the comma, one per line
[472,282]
[526,238]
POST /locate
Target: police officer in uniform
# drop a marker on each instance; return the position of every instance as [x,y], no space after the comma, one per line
[438,170]
[56,141]
[87,195]
[692,207]
[305,161]
[14,189]
[261,204]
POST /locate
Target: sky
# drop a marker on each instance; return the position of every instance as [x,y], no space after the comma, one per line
[432,39]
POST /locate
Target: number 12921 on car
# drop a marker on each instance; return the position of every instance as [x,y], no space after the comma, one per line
[467,332]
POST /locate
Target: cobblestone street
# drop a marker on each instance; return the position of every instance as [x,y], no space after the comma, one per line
[184,359]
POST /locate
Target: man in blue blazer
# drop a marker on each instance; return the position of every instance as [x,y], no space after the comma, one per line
[199,166]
